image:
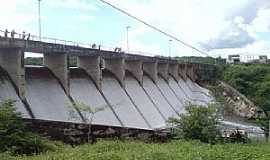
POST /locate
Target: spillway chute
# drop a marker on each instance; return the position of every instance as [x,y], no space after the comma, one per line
[8,92]
[47,98]
[84,91]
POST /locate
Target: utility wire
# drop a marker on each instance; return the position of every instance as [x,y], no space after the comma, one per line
[155,28]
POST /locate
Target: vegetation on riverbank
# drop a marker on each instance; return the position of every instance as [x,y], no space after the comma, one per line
[198,123]
[130,149]
[174,150]
[14,135]
[252,80]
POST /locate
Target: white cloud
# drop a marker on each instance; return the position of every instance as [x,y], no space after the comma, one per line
[11,18]
[239,20]
[149,50]
[193,21]
[234,36]
[257,48]
[22,15]
[136,45]
[262,22]
[85,17]
[81,5]
[197,21]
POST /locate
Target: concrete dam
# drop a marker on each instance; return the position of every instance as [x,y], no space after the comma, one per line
[136,91]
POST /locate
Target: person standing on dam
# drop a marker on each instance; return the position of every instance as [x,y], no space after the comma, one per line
[12,34]
[23,35]
[6,33]
[28,37]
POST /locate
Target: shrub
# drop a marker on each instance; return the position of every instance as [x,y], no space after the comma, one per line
[14,135]
[199,123]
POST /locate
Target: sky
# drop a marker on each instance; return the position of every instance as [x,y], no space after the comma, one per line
[218,27]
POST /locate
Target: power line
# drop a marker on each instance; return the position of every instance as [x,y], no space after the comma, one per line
[155,28]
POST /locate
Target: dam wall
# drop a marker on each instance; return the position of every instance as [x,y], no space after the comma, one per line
[120,89]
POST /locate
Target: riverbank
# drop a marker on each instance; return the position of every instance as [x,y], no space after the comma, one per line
[174,150]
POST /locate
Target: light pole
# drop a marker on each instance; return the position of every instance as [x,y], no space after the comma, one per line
[170,43]
[39,20]
[128,27]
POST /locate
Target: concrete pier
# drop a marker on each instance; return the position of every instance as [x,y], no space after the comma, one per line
[92,66]
[163,70]
[183,70]
[174,71]
[191,71]
[117,67]
[135,67]
[12,61]
[150,68]
[58,64]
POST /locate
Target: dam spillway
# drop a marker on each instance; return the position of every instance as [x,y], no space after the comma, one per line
[169,94]
[145,106]
[158,99]
[121,103]
[135,91]
[8,92]
[177,91]
[45,95]
[83,90]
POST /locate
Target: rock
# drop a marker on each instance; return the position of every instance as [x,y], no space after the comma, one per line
[239,104]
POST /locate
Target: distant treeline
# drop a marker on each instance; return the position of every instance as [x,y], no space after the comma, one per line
[204,60]
[33,61]
[73,60]
[38,61]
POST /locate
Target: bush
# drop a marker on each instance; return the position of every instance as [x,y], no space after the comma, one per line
[14,135]
[199,123]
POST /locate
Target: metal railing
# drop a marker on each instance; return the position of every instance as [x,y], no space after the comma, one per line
[70,43]
[27,36]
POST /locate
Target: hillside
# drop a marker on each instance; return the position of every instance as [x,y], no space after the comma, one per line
[252,80]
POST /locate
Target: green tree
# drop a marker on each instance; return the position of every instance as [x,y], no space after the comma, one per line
[34,61]
[14,135]
[88,114]
[199,123]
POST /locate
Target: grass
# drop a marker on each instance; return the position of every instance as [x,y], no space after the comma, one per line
[134,150]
